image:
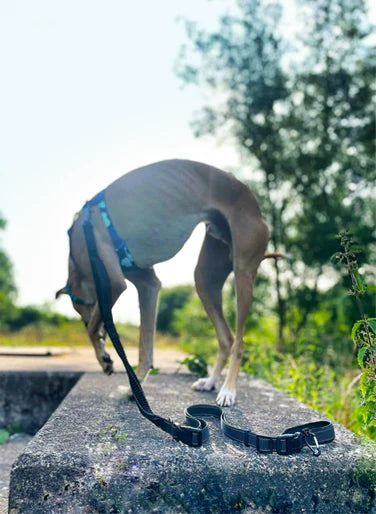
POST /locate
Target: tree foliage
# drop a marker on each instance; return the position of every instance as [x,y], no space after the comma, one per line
[7,285]
[170,300]
[304,124]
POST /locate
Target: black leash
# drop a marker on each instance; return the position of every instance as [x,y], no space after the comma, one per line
[291,441]
[195,432]
[193,435]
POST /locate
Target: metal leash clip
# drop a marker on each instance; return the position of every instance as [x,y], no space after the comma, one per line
[314,449]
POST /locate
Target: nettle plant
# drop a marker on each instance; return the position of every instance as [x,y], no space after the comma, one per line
[363,333]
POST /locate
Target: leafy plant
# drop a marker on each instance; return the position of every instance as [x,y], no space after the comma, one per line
[197,364]
[363,334]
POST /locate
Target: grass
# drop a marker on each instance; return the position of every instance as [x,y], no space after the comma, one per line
[72,333]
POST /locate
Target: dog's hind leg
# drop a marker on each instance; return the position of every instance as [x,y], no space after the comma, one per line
[250,238]
[148,286]
[213,267]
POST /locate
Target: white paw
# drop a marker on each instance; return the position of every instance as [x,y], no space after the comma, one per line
[225,397]
[126,392]
[204,384]
[122,392]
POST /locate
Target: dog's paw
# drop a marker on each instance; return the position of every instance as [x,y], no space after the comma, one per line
[107,364]
[225,397]
[204,384]
[122,392]
[126,393]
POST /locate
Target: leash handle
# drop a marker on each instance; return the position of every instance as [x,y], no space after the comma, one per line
[291,441]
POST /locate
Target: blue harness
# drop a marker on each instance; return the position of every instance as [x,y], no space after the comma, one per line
[120,246]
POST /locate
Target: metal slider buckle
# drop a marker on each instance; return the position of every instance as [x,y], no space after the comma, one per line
[262,450]
[286,444]
[314,449]
[196,433]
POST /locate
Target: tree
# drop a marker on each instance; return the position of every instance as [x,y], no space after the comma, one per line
[170,300]
[7,285]
[241,64]
[306,129]
[333,146]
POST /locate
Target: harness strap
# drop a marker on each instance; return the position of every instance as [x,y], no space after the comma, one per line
[195,432]
[120,246]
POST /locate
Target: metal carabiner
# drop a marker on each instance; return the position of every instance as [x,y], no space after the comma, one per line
[314,449]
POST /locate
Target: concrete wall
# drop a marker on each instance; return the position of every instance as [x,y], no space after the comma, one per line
[27,399]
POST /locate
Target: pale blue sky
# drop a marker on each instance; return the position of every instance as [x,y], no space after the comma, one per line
[88,93]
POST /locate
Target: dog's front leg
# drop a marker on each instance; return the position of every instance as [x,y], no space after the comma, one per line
[97,336]
[148,286]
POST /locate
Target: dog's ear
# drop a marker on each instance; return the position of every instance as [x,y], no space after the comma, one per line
[61,291]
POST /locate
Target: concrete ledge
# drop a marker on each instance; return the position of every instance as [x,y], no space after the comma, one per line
[28,398]
[97,454]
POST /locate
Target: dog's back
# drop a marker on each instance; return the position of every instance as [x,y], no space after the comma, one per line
[155,208]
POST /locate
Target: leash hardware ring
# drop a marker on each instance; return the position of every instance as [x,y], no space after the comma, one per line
[286,444]
[314,449]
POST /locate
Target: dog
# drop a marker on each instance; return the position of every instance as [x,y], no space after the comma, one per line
[154,210]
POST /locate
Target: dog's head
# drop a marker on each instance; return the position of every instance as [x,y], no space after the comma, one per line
[80,291]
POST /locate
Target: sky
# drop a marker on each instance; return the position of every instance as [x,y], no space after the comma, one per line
[88,92]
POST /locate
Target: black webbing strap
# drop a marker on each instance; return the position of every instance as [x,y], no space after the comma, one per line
[195,432]
[291,441]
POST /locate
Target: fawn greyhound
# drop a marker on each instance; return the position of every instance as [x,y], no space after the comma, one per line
[154,210]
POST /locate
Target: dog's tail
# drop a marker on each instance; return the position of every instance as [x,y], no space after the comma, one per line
[275,255]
